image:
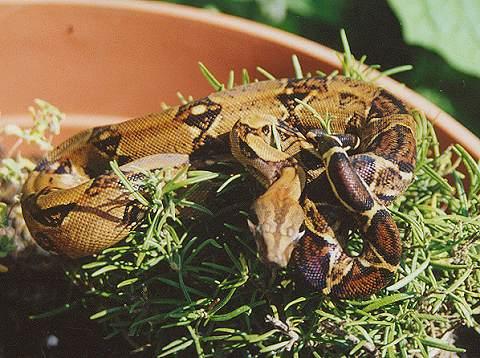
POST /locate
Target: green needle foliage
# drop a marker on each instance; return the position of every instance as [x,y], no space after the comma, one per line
[193,284]
[188,280]
[14,168]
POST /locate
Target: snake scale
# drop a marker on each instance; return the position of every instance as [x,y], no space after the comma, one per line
[319,186]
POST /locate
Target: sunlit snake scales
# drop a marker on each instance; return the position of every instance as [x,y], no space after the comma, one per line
[332,184]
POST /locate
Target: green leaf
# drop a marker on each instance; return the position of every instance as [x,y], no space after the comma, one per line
[387,300]
[104,270]
[6,246]
[409,278]
[105,312]
[3,215]
[232,314]
[176,348]
[438,343]
[274,10]
[449,28]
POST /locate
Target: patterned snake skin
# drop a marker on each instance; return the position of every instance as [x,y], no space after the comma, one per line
[319,186]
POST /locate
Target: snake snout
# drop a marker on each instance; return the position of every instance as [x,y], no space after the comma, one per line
[276,241]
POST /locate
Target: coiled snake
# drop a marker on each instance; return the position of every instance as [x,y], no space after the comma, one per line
[328,183]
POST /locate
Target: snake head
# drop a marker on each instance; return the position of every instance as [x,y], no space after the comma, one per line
[280,218]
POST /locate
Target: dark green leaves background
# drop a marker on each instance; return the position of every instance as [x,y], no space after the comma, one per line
[440,39]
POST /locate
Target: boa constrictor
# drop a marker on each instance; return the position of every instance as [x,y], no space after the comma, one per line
[329,184]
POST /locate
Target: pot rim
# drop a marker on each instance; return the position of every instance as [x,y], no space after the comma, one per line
[445,122]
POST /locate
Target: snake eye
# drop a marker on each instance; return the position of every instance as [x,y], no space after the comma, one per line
[266,129]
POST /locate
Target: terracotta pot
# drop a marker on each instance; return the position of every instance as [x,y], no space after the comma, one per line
[104,61]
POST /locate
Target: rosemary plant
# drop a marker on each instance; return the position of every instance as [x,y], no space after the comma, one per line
[192,284]
[14,168]
[200,289]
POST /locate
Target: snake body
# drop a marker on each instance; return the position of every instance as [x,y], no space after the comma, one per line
[330,183]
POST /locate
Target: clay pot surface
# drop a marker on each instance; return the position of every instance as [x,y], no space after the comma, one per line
[105,61]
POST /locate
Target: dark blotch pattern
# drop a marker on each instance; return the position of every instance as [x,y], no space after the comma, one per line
[347,184]
[299,89]
[355,123]
[313,253]
[43,165]
[64,167]
[365,167]
[361,281]
[51,217]
[211,146]
[309,161]
[102,182]
[386,104]
[406,167]
[133,214]
[386,199]
[311,259]
[288,101]
[384,236]
[203,121]
[247,151]
[106,140]
[320,190]
[397,145]
[347,139]
[346,98]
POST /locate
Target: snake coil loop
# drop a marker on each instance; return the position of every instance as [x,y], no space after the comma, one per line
[329,183]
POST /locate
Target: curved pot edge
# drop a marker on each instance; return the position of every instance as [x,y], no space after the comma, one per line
[452,129]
